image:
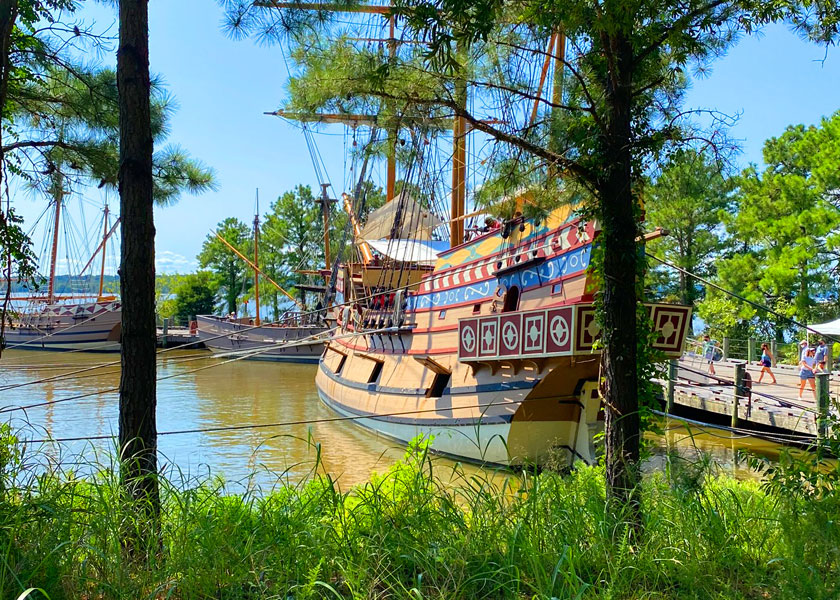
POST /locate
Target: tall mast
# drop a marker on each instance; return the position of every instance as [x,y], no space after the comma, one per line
[459,163]
[257,258]
[325,206]
[559,66]
[58,196]
[392,132]
[557,88]
[104,242]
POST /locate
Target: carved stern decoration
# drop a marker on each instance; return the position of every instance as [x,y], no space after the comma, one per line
[559,331]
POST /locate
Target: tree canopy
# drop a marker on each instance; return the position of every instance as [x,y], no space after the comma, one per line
[231,276]
[785,230]
[689,199]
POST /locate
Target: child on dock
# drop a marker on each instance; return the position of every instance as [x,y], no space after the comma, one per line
[807,364]
[709,349]
[766,362]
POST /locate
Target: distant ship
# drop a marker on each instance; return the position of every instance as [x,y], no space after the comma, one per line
[292,340]
[71,321]
[298,336]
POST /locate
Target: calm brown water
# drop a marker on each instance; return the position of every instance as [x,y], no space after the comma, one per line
[237,393]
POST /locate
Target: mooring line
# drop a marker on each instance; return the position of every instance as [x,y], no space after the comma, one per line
[222,428]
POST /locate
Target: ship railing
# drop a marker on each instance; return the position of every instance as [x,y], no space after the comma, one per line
[385,309]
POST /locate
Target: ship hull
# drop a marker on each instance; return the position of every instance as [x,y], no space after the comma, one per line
[459,442]
[478,428]
[92,327]
[494,356]
[268,343]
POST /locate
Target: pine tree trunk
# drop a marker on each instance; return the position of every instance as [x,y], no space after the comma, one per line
[8,15]
[618,235]
[138,427]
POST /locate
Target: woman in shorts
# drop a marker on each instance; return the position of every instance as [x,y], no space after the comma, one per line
[807,364]
[766,362]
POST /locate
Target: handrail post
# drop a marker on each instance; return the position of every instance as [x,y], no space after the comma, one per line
[751,350]
[672,383]
[740,369]
[828,356]
[822,404]
[165,330]
[773,352]
[725,348]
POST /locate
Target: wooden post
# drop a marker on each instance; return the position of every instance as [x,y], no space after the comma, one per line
[673,366]
[740,369]
[822,404]
[828,357]
[773,352]
[725,348]
[751,350]
[165,331]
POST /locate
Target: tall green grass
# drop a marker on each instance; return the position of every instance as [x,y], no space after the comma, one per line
[419,530]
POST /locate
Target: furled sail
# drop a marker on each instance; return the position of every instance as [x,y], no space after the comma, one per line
[401,218]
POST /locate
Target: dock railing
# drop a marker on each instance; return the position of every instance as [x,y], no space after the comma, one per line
[733,388]
[750,350]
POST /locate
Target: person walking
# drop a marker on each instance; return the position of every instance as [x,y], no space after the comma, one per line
[807,364]
[819,355]
[766,363]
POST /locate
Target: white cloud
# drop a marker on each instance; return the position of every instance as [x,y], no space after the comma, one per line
[167,261]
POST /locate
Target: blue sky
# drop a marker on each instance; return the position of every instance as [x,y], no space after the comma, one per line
[223,87]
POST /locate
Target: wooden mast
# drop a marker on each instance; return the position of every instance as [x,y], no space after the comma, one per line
[58,193]
[251,264]
[541,84]
[104,242]
[391,178]
[325,206]
[459,164]
[459,125]
[257,259]
[559,66]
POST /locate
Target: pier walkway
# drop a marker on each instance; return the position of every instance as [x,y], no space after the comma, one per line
[764,407]
[171,337]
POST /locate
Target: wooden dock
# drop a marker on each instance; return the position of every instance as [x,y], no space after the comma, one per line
[172,337]
[762,407]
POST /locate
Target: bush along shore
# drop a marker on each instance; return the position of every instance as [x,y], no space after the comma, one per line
[413,533]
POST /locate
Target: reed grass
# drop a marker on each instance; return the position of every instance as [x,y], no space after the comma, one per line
[419,530]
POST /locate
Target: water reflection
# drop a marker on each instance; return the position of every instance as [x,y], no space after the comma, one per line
[200,393]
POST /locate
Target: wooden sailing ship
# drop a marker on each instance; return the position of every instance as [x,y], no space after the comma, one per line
[295,337]
[489,349]
[492,356]
[68,321]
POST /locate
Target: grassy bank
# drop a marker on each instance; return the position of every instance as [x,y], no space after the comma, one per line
[409,533]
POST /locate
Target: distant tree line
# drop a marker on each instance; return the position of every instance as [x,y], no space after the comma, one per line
[291,249]
[770,235]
